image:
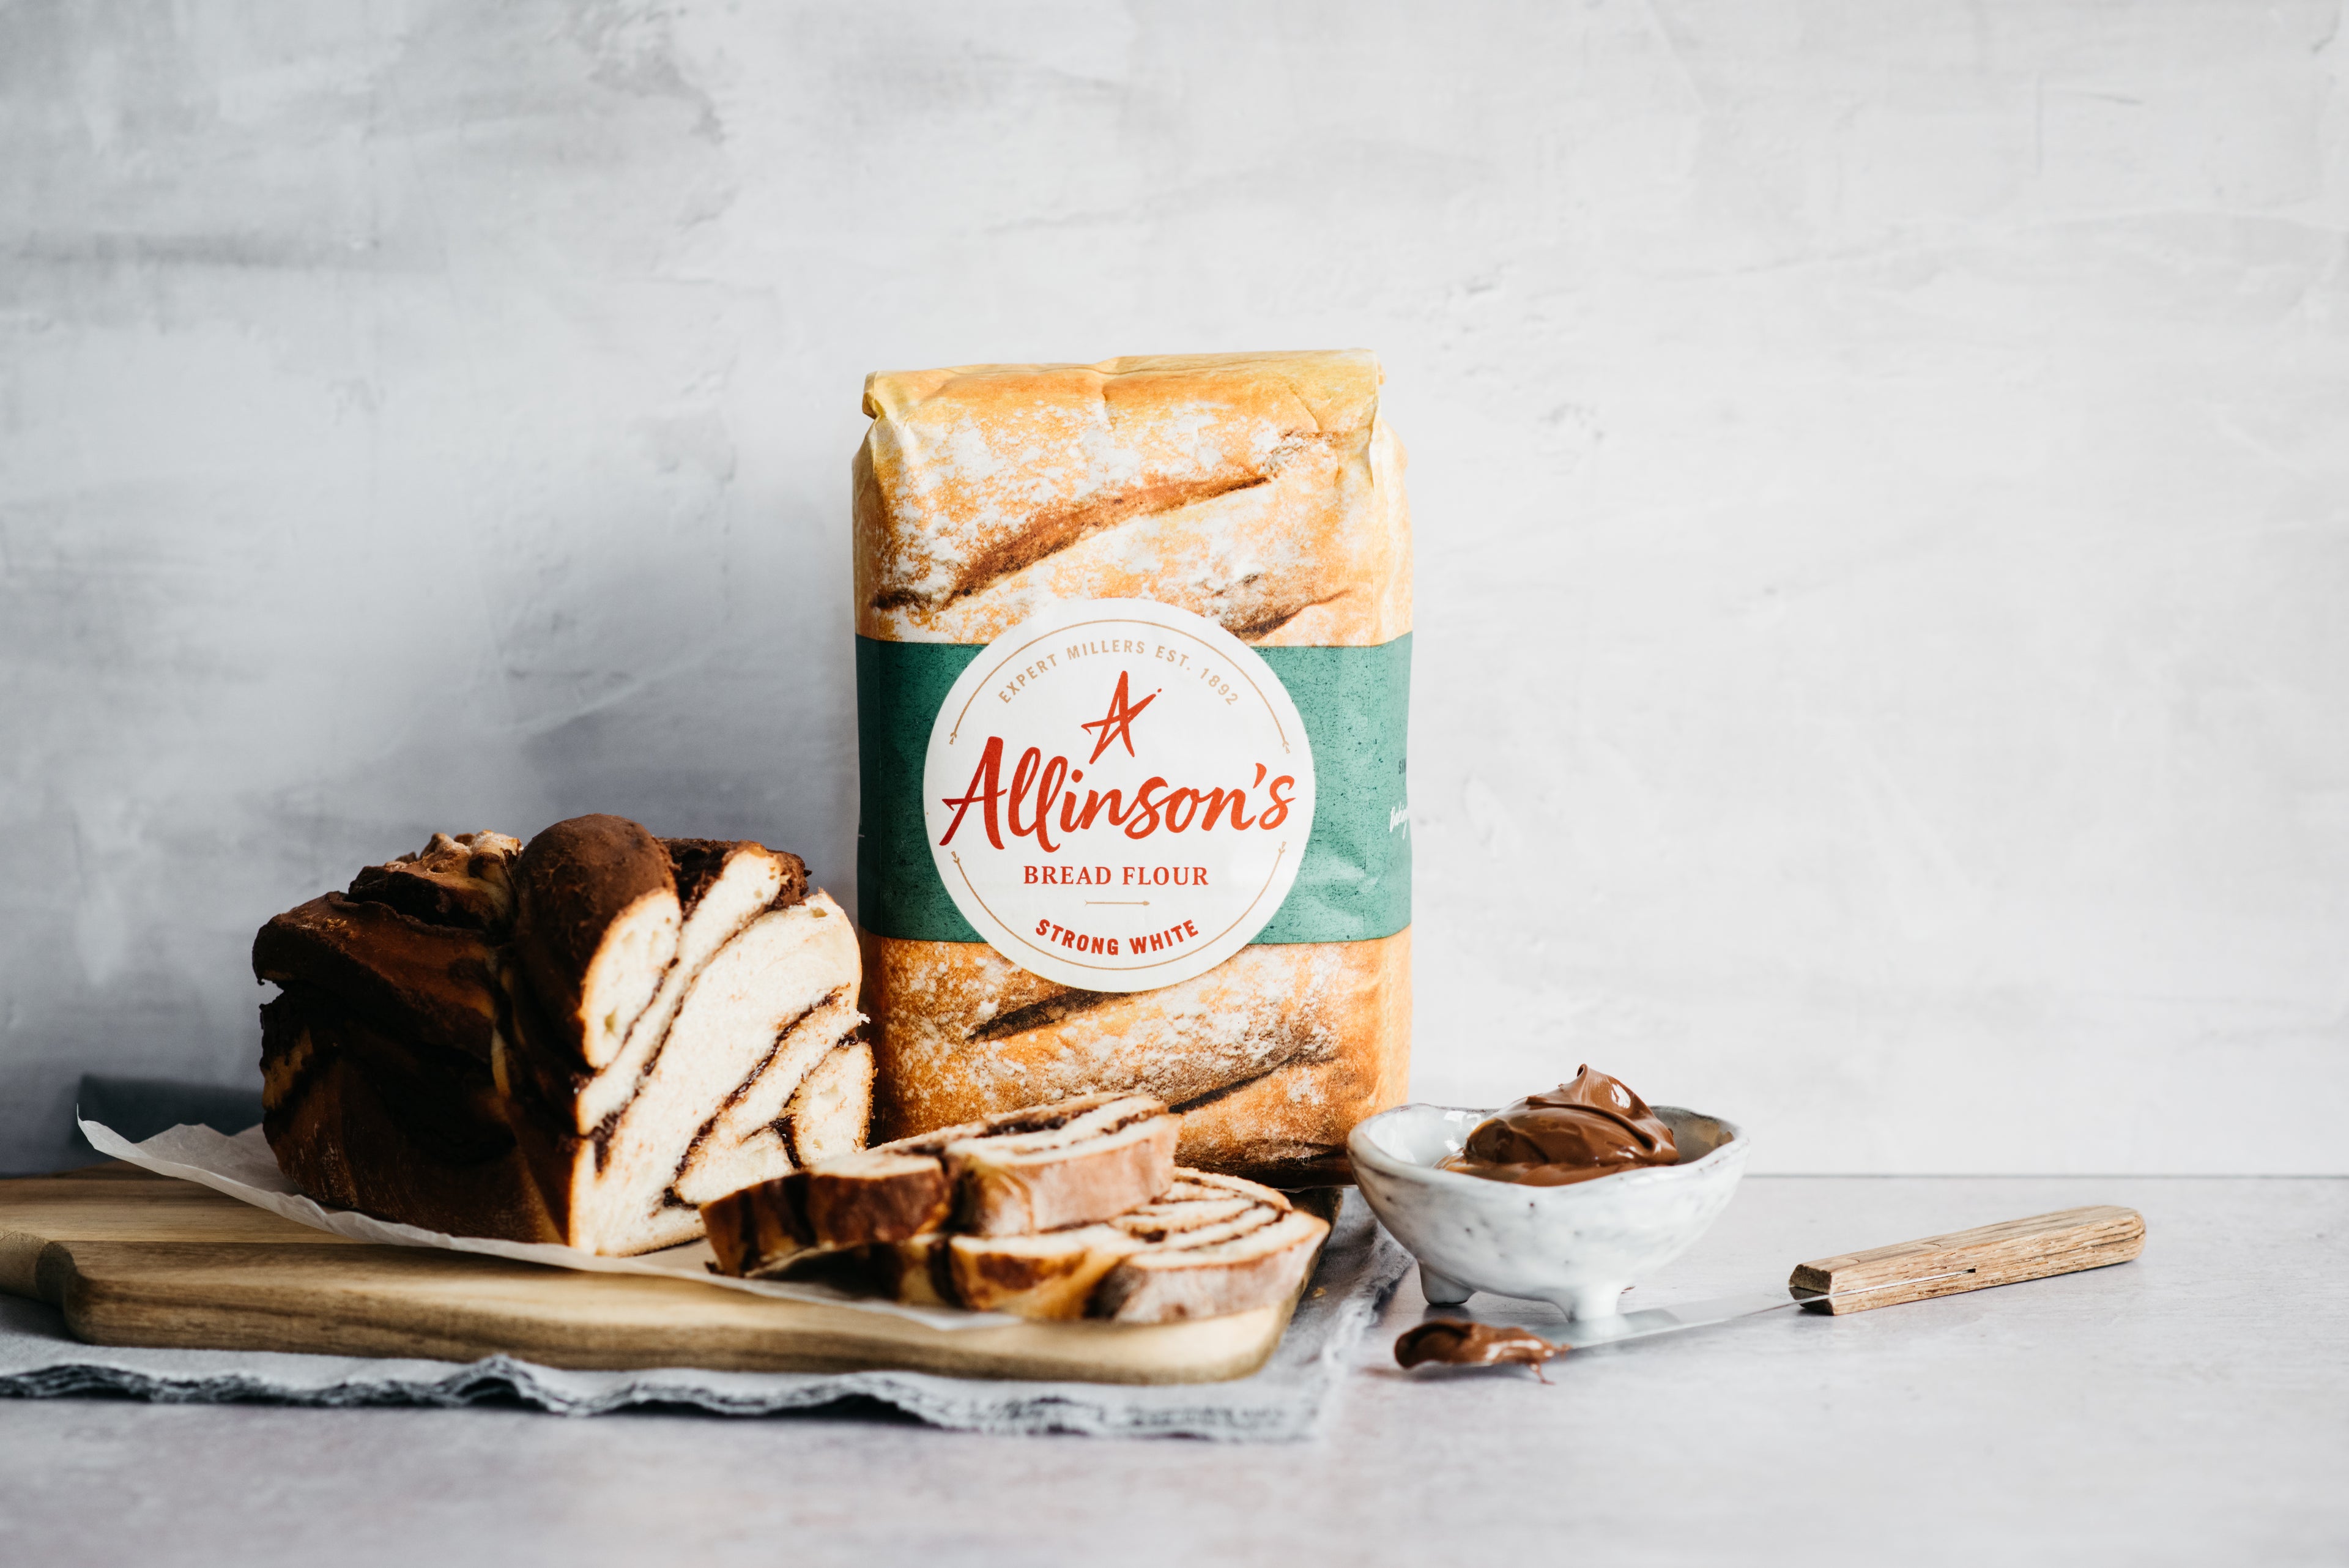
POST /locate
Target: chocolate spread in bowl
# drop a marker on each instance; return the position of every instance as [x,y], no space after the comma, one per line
[1592,1127]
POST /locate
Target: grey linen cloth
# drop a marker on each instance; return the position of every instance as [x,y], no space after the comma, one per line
[1284,1401]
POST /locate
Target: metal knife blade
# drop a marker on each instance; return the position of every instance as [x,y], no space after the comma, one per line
[1581,1333]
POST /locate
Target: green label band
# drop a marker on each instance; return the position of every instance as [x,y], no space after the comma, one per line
[1354,883]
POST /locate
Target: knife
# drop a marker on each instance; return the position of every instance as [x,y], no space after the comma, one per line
[2003,1254]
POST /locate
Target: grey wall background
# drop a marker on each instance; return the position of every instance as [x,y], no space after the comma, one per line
[1882,474]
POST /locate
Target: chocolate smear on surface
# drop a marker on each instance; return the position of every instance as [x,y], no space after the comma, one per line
[1448,1342]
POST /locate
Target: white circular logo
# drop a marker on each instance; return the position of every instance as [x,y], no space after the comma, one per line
[1118,794]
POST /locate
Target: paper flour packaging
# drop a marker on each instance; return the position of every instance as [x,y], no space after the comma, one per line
[1133,653]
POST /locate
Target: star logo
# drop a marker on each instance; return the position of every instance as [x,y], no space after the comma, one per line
[1117,724]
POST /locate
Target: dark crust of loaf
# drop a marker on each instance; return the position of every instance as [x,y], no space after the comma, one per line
[697,863]
[540,1063]
[571,882]
[435,984]
[455,880]
[538,1111]
[363,1120]
[435,899]
[443,1101]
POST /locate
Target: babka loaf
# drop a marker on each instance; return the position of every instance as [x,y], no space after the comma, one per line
[575,1041]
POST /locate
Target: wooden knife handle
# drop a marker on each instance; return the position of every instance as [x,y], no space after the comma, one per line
[1999,1254]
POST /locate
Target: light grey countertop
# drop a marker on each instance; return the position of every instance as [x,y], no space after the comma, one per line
[2192,1407]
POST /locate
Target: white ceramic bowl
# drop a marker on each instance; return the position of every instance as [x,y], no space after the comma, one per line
[1577,1246]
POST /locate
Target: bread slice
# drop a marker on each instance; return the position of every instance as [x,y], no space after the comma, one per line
[596,929]
[1081,1161]
[1052,1275]
[1040,1169]
[1211,1245]
[759,1231]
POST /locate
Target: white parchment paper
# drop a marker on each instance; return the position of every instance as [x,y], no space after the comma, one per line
[242,1167]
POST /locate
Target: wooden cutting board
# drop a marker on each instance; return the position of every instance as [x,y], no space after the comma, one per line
[131,1258]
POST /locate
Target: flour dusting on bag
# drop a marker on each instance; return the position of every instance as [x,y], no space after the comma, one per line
[1134,646]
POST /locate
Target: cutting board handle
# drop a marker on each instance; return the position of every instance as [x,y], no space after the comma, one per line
[2001,1255]
[29,1267]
